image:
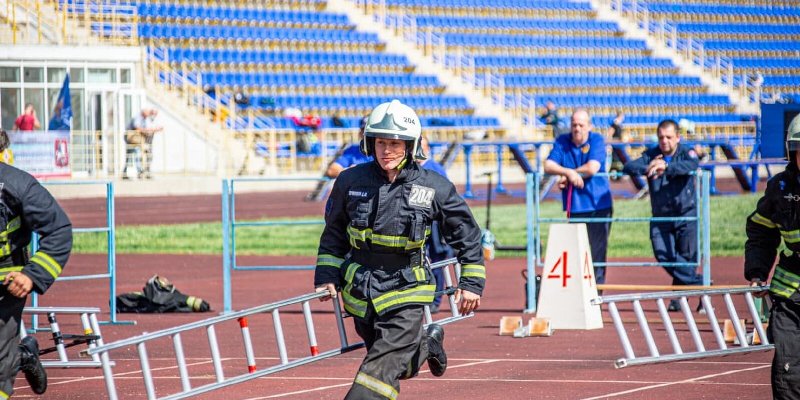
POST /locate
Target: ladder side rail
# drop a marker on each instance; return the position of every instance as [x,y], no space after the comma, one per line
[679,293]
[692,324]
[690,356]
[177,344]
[712,318]
[737,325]
[645,327]
[673,337]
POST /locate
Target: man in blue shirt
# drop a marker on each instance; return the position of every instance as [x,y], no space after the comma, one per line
[576,157]
[669,170]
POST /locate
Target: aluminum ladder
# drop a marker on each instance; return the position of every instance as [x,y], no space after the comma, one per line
[661,354]
[90,336]
[241,317]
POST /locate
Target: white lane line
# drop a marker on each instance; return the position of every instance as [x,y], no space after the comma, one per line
[690,380]
[275,396]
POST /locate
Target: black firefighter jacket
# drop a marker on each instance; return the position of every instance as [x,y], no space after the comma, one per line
[777,216]
[375,232]
[673,193]
[26,207]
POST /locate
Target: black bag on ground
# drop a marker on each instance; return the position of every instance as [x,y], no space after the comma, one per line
[159,296]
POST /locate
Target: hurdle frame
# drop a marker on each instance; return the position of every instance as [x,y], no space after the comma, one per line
[534,236]
[111,272]
[229,226]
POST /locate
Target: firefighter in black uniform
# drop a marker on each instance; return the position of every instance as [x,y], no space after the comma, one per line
[670,168]
[377,218]
[26,207]
[777,216]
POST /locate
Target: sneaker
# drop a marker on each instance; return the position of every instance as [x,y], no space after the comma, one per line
[674,305]
[434,308]
[31,366]
[437,359]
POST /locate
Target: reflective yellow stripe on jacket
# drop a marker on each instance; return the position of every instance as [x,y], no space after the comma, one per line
[473,271]
[352,305]
[13,225]
[5,270]
[361,235]
[47,263]
[791,236]
[329,260]
[376,385]
[760,219]
[417,294]
[784,283]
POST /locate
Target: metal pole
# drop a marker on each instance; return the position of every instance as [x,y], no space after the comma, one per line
[532,252]
[648,335]
[226,251]
[312,336]
[276,319]
[146,373]
[623,336]
[673,338]
[468,185]
[177,344]
[112,250]
[706,230]
[215,359]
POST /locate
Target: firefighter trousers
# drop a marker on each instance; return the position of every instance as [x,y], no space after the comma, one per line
[396,349]
[784,331]
[10,316]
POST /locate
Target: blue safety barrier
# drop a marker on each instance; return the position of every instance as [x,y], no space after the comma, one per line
[111,270]
[229,225]
[535,221]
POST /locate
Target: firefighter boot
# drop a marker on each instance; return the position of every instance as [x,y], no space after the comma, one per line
[437,359]
[31,366]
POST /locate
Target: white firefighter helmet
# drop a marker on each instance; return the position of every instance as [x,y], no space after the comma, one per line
[393,120]
[793,137]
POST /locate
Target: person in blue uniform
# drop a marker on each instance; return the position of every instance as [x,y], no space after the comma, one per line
[351,156]
[670,171]
[576,157]
[376,221]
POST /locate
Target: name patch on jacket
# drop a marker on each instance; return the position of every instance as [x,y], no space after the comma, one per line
[421,196]
[357,193]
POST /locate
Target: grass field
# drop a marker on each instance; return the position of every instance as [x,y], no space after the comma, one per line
[728,215]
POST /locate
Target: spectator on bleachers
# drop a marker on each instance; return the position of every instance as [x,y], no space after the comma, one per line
[576,157]
[337,121]
[27,121]
[669,170]
[139,140]
[615,133]
[550,117]
[351,156]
